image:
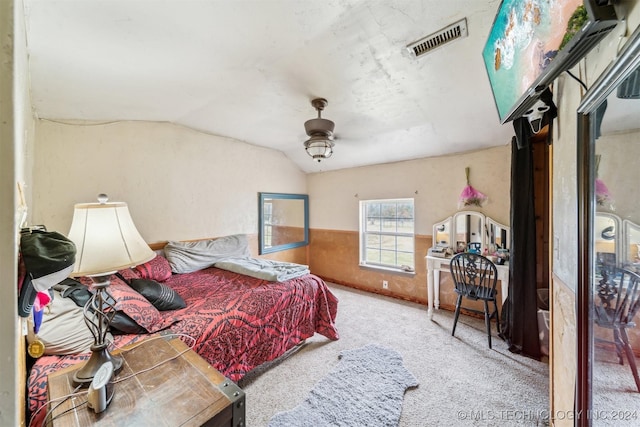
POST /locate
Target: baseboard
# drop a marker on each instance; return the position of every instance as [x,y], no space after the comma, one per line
[386,293]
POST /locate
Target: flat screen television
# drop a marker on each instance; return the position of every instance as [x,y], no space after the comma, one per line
[533,41]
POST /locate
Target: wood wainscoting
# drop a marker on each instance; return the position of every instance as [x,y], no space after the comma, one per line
[334,256]
[562,366]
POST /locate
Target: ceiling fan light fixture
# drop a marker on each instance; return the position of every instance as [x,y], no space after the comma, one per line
[320,145]
[319,126]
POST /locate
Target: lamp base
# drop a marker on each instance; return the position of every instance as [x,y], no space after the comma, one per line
[99,355]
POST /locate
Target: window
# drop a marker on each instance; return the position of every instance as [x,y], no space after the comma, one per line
[387,234]
[267,209]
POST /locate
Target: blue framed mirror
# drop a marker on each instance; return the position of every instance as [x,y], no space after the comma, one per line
[283,221]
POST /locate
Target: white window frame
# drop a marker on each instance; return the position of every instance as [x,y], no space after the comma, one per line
[268,227]
[404,265]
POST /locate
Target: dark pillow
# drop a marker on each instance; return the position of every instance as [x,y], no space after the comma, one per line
[131,303]
[137,307]
[123,324]
[76,291]
[80,294]
[157,269]
[160,295]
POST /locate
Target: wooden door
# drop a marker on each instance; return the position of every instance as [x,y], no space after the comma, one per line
[541,178]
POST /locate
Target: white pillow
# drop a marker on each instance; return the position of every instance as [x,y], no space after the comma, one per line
[185,257]
[63,330]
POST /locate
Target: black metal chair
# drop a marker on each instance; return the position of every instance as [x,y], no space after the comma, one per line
[616,304]
[475,278]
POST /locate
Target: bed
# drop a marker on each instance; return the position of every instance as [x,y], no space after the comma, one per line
[237,322]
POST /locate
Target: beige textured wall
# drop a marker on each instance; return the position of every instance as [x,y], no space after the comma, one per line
[617,152]
[16,146]
[563,362]
[10,384]
[180,184]
[567,96]
[435,184]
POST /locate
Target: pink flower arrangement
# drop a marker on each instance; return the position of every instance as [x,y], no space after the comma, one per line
[603,196]
[470,196]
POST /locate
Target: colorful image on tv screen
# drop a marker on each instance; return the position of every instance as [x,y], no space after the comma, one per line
[525,37]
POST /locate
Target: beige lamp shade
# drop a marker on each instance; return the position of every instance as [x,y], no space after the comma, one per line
[106,239]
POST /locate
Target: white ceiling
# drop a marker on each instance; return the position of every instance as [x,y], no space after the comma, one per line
[248,70]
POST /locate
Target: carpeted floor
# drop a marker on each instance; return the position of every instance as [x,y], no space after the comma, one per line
[616,401]
[462,382]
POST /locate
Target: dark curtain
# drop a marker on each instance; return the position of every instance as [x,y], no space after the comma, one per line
[520,311]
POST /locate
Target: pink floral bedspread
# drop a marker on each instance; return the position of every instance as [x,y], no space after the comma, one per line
[238,322]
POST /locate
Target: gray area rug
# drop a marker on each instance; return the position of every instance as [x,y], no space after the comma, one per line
[366,389]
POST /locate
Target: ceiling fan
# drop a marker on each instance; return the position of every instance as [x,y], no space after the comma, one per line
[320,144]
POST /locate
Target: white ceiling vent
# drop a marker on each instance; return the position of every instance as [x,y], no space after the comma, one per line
[439,38]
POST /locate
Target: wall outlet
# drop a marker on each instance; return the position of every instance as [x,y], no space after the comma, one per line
[385,284]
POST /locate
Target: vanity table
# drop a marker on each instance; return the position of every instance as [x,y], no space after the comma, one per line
[437,264]
[456,233]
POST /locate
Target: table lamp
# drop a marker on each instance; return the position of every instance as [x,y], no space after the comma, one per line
[106,241]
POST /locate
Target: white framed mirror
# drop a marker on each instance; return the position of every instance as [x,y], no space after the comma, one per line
[606,237]
[631,245]
[498,235]
[468,229]
[442,233]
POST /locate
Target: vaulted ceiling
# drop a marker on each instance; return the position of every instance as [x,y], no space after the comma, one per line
[249,69]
